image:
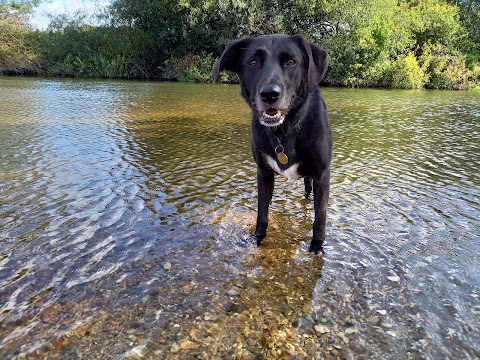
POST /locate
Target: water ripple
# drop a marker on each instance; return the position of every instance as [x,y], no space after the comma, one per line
[123,207]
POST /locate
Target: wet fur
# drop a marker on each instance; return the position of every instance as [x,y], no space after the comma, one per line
[279,76]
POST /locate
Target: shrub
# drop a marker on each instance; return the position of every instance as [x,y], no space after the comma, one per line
[18,55]
[379,74]
[406,73]
[476,74]
[445,71]
[454,75]
[86,51]
[189,68]
[341,67]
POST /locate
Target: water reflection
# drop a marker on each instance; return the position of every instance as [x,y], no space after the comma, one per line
[123,203]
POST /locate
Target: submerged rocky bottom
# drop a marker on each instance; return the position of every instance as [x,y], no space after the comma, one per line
[274,302]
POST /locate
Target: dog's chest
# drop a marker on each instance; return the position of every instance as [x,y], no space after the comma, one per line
[291,173]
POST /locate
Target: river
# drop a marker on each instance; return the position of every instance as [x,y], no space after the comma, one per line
[123,206]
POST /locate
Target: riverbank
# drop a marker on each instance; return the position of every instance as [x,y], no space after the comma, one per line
[199,69]
[433,44]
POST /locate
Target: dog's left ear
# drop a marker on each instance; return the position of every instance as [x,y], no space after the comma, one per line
[316,62]
[231,57]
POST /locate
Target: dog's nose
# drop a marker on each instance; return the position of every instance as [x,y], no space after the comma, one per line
[270,93]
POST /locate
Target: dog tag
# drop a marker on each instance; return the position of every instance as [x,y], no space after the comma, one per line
[281,156]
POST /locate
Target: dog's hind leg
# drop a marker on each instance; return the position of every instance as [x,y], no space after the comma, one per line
[308,186]
[321,189]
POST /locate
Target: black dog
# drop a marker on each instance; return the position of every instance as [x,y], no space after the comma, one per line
[291,136]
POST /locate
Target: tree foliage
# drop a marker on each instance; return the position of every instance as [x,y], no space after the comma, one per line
[382,43]
[18,46]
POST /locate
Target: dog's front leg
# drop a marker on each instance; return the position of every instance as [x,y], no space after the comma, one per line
[265,184]
[321,189]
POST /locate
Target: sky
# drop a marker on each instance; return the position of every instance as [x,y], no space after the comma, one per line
[40,20]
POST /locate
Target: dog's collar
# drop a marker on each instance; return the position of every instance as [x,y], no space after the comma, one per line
[301,104]
[298,125]
[286,134]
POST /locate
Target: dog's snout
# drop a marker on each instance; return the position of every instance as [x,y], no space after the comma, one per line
[270,93]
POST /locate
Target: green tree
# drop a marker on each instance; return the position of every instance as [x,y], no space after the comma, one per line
[18,52]
[164,21]
[436,21]
[470,19]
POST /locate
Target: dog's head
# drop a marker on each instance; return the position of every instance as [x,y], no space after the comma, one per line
[274,70]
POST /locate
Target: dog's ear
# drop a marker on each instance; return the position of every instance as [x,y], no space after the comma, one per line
[315,60]
[231,57]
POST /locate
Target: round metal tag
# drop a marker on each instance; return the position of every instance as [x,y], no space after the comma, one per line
[282,158]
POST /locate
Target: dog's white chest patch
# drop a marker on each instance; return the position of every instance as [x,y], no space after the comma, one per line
[291,173]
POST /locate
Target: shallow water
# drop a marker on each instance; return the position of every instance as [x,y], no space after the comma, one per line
[123,206]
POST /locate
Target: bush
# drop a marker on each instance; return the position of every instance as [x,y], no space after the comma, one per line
[87,51]
[18,50]
[341,67]
[445,71]
[476,74]
[406,73]
[189,68]
[379,74]
[454,75]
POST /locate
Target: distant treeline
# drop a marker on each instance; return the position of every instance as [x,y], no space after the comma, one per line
[371,43]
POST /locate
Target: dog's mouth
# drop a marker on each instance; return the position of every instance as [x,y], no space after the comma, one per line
[272,117]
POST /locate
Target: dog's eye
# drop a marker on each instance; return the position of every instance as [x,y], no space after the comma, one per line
[290,62]
[253,62]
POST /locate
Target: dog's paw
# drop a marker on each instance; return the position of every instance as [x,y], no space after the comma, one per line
[253,240]
[316,247]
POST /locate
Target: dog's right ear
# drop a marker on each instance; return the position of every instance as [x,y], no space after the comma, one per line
[231,57]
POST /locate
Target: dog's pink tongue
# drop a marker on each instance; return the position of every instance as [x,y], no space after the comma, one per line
[272,112]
